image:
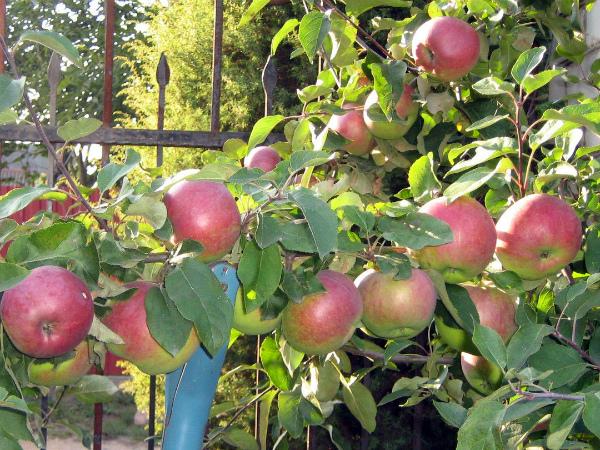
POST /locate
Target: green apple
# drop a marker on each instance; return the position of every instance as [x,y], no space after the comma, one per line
[252,323]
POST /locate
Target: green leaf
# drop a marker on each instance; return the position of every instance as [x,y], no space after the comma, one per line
[199,298]
[532,83]
[422,180]
[459,304]
[165,323]
[452,413]
[289,26]
[240,438]
[522,408]
[19,198]
[490,344]
[357,7]
[564,364]
[11,91]
[94,389]
[314,27]
[265,412]
[364,219]
[388,80]
[493,86]
[8,116]
[103,333]
[259,271]
[525,342]
[474,179]
[262,128]
[255,7]
[11,275]
[564,416]
[298,284]
[486,122]
[416,230]
[322,221]
[112,172]
[75,129]
[361,404]
[526,63]
[13,424]
[54,41]
[272,362]
[297,237]
[592,249]
[480,430]
[289,413]
[591,412]
[303,159]
[62,244]
[151,208]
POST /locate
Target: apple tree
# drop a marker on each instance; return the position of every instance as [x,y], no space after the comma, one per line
[431,206]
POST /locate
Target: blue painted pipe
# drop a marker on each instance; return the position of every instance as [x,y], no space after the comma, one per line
[190,390]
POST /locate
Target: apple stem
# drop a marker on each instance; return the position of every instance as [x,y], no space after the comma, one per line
[46,141]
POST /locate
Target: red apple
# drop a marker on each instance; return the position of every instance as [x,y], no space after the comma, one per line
[48,313]
[252,323]
[265,158]
[68,370]
[474,239]
[496,310]
[538,236]
[446,47]
[324,322]
[407,111]
[484,376]
[127,318]
[396,308]
[351,126]
[206,212]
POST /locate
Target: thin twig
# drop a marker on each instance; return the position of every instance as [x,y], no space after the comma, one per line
[156,257]
[398,359]
[547,395]
[58,400]
[585,355]
[46,141]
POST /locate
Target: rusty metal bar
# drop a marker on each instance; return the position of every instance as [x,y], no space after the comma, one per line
[215,109]
[163,75]
[109,36]
[53,82]
[123,136]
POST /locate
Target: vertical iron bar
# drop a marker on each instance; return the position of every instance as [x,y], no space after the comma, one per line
[269,80]
[152,413]
[44,410]
[109,35]
[163,74]
[215,109]
[53,81]
[257,390]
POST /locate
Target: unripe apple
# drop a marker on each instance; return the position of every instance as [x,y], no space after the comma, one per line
[127,318]
[351,126]
[324,322]
[538,236]
[396,308]
[484,376]
[67,370]
[446,47]
[496,309]
[206,212]
[264,157]
[378,124]
[48,313]
[252,323]
[474,239]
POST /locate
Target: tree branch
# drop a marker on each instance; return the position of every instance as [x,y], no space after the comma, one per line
[547,395]
[45,140]
[585,355]
[398,359]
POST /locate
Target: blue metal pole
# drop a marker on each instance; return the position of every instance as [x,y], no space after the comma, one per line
[190,390]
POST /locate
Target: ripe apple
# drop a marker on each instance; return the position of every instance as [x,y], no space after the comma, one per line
[324,322]
[64,371]
[474,239]
[127,318]
[378,124]
[252,323]
[496,310]
[48,313]
[446,47]
[538,236]
[351,126]
[484,376]
[206,212]
[264,157]
[396,308]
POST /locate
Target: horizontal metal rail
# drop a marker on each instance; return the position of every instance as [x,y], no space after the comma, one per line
[122,136]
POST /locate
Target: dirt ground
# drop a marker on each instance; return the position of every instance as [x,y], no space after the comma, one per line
[74,444]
